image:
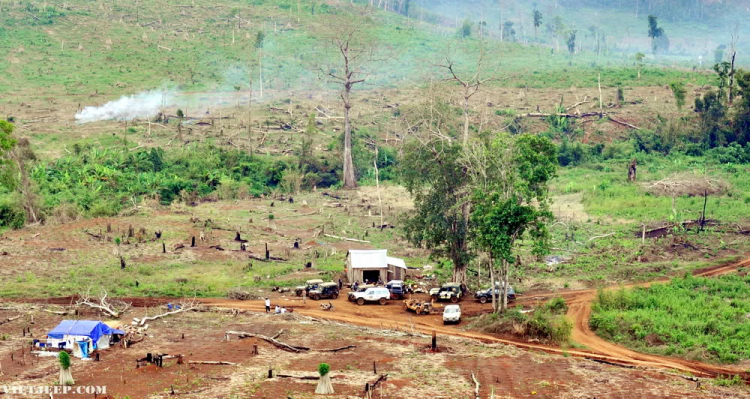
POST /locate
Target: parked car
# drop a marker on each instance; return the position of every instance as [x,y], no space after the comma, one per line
[361,288]
[485,295]
[373,294]
[448,292]
[309,285]
[324,290]
[452,314]
[397,289]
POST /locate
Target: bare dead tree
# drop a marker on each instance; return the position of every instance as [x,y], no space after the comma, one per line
[356,49]
[735,37]
[113,307]
[470,83]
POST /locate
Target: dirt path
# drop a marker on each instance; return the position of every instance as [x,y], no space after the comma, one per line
[393,316]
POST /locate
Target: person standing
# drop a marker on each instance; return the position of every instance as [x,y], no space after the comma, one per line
[268,305]
[341,284]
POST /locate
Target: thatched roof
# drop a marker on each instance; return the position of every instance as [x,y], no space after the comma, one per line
[687,184]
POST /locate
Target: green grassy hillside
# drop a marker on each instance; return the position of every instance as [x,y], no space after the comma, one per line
[86,48]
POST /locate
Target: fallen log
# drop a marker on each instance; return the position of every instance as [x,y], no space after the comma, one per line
[601,236]
[563,115]
[305,377]
[211,362]
[182,308]
[273,341]
[346,238]
[9,319]
[611,363]
[476,386]
[343,348]
[622,123]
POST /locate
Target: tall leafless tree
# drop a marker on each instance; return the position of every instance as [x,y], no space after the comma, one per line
[470,83]
[355,49]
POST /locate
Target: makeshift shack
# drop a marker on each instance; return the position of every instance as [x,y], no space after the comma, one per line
[373,265]
[81,336]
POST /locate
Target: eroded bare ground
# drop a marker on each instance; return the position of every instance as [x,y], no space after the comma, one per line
[413,370]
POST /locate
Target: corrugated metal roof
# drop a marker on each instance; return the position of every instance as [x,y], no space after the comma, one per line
[398,262]
[368,259]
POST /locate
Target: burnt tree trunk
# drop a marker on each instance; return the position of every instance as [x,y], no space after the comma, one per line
[632,171]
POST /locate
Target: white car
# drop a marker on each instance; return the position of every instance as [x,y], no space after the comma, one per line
[452,314]
[380,295]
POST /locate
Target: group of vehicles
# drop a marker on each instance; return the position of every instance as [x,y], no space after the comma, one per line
[396,289]
[318,289]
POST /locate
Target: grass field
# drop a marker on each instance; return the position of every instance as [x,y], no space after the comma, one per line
[204,48]
[691,317]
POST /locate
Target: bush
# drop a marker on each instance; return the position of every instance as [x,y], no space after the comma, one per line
[64,359]
[542,324]
[323,369]
[10,216]
[557,305]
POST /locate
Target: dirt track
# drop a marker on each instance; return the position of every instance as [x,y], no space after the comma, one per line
[394,317]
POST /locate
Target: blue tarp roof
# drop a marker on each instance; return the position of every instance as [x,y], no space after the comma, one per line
[86,328]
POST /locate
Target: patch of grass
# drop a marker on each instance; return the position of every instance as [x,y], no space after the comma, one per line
[690,317]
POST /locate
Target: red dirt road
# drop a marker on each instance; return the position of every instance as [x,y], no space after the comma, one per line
[393,316]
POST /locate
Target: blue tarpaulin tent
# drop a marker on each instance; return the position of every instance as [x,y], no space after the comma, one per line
[71,331]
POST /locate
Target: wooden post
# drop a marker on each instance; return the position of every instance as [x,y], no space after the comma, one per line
[270,372]
[434,340]
[703,215]
[122,263]
[192,243]
[268,253]
[374,368]
[255,349]
[601,104]
[163,248]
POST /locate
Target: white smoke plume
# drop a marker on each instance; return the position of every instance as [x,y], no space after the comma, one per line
[142,105]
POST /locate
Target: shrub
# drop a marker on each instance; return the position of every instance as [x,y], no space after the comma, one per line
[64,359]
[541,324]
[10,216]
[557,305]
[323,369]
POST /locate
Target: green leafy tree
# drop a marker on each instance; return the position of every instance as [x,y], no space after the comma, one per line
[537,21]
[679,91]
[742,120]
[436,179]
[510,199]
[508,30]
[14,156]
[572,41]
[66,378]
[464,30]
[656,34]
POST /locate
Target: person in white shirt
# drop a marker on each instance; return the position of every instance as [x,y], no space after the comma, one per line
[268,305]
[278,309]
[283,310]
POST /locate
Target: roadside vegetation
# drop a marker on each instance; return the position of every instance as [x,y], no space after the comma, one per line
[546,323]
[691,317]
